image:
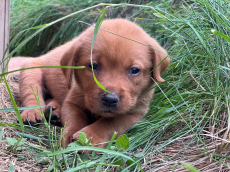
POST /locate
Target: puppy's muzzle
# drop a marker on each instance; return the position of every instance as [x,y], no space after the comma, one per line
[109,100]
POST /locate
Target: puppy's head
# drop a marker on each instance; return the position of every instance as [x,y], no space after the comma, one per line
[122,66]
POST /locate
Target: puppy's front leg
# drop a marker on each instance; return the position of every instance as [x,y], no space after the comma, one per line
[102,130]
[74,119]
[31,78]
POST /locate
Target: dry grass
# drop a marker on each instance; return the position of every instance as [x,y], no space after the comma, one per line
[7,156]
[194,155]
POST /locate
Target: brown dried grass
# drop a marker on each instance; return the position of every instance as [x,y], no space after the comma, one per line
[7,157]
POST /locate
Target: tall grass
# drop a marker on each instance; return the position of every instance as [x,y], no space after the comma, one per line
[194,100]
[46,11]
[195,95]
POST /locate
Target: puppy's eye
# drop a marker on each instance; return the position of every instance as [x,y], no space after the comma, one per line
[134,71]
[95,66]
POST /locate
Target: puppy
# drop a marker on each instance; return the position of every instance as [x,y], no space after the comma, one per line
[15,64]
[123,67]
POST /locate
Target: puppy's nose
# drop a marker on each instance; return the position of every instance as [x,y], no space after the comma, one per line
[109,100]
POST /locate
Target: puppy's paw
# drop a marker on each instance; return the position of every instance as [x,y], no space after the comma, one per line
[31,116]
[55,113]
[97,138]
[67,138]
[53,110]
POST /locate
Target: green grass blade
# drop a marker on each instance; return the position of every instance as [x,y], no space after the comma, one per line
[79,148]
[189,167]
[39,27]
[97,27]
[221,34]
[21,108]
[15,106]
[105,154]
[83,166]
[71,67]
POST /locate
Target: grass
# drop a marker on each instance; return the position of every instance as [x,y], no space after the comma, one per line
[46,11]
[194,100]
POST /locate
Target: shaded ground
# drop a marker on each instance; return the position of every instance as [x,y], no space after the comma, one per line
[182,150]
[7,157]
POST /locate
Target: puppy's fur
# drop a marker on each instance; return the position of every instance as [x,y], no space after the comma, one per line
[122,66]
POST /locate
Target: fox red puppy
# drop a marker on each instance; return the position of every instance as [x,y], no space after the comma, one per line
[123,67]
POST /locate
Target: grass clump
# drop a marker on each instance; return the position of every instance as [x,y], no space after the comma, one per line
[189,113]
[28,14]
[195,97]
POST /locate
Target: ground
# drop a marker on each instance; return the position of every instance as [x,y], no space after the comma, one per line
[6,156]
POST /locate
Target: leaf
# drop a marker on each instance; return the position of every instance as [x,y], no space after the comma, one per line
[113,148]
[117,161]
[11,141]
[94,155]
[22,141]
[138,154]
[131,163]
[82,138]
[20,148]
[189,167]
[11,169]
[89,142]
[1,133]
[122,142]
[84,157]
[74,144]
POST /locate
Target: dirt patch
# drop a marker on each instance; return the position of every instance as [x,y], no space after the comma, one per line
[7,157]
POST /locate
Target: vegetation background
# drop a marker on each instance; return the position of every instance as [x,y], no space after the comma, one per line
[188,120]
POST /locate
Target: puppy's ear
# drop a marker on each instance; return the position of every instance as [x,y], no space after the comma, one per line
[159,56]
[70,59]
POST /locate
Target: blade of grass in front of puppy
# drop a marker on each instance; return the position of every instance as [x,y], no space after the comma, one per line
[71,67]
[21,108]
[97,27]
[78,148]
[15,106]
[104,155]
